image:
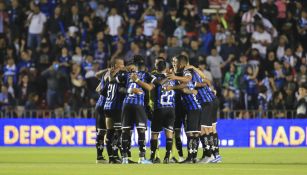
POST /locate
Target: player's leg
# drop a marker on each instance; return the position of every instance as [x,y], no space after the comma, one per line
[116,117]
[127,113]
[140,119]
[100,134]
[215,138]
[156,128]
[169,119]
[192,132]
[109,136]
[179,121]
[206,126]
[153,145]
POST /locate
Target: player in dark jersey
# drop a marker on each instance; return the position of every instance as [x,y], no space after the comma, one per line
[112,110]
[164,112]
[100,118]
[210,104]
[192,107]
[180,114]
[133,111]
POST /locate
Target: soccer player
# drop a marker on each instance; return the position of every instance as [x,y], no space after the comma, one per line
[100,118]
[164,112]
[180,114]
[133,111]
[112,110]
[210,104]
[192,106]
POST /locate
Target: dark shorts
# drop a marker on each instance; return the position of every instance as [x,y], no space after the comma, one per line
[116,116]
[180,114]
[134,115]
[100,118]
[206,115]
[193,121]
[163,118]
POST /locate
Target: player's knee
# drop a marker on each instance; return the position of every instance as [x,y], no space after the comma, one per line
[154,136]
[169,134]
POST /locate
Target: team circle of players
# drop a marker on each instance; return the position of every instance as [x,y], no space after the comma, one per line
[169,97]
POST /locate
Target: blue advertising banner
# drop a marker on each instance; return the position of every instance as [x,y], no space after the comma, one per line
[81,132]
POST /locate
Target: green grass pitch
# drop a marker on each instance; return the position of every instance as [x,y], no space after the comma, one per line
[81,161]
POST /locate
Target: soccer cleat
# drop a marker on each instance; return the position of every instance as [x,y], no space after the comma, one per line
[180,159]
[173,160]
[102,160]
[116,160]
[166,161]
[156,160]
[187,161]
[206,159]
[142,160]
[125,160]
[131,161]
[218,159]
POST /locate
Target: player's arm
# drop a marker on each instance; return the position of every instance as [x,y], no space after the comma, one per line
[177,87]
[189,91]
[98,88]
[183,79]
[144,85]
[100,73]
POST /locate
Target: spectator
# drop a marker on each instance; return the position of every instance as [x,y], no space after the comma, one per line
[206,40]
[16,19]
[301,76]
[263,102]
[4,18]
[55,86]
[150,22]
[278,105]
[32,103]
[180,32]
[215,64]
[10,69]
[282,45]
[261,39]
[251,90]
[228,48]
[279,75]
[301,107]
[36,21]
[77,88]
[6,100]
[78,56]
[289,58]
[114,21]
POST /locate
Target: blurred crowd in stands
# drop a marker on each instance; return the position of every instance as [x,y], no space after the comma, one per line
[254,51]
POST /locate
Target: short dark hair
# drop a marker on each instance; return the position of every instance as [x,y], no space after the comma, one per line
[183,58]
[303,85]
[114,61]
[161,65]
[138,59]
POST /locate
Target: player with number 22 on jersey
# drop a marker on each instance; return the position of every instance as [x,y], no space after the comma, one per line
[164,111]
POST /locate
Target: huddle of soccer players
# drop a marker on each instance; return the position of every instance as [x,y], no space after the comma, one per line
[170,97]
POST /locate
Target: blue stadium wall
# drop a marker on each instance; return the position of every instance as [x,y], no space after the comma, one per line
[81,132]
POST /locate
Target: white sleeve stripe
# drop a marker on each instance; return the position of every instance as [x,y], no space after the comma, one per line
[153,80]
[117,80]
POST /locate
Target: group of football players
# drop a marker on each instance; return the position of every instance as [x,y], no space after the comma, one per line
[171,97]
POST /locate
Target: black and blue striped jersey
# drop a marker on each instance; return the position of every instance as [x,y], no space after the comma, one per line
[204,94]
[102,99]
[131,98]
[114,98]
[163,99]
[190,101]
